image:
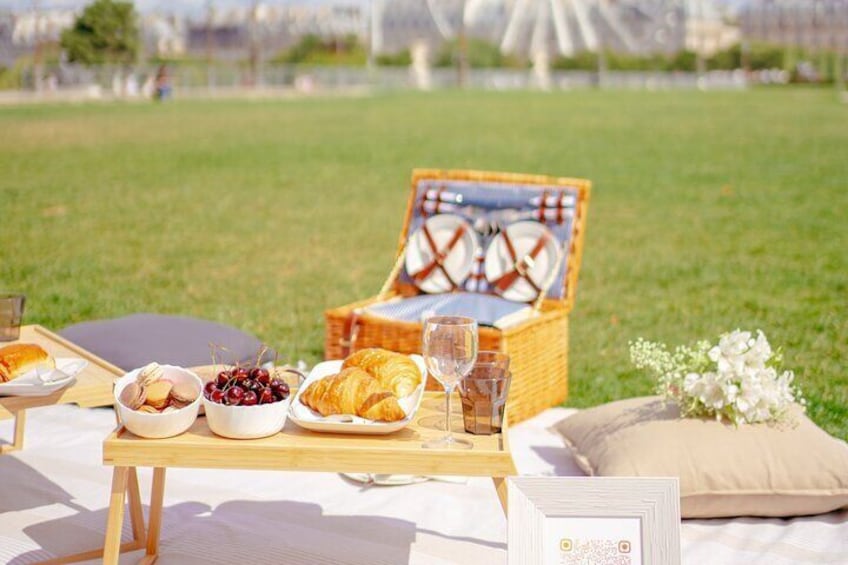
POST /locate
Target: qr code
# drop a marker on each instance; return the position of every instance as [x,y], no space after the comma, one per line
[595,551]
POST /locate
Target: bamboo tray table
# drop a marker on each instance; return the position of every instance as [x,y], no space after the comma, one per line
[93,386]
[294,449]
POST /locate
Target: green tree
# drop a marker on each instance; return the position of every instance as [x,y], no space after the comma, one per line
[105,32]
[481,54]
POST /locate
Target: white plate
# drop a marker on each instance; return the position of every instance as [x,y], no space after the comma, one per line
[458,262]
[41,382]
[524,236]
[307,418]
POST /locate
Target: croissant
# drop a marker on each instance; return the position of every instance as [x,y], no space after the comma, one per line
[353,391]
[395,371]
[19,358]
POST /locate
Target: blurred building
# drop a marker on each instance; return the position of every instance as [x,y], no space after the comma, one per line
[164,36]
[813,24]
[20,33]
[271,28]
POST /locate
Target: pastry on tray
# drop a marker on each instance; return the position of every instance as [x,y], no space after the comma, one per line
[395,371]
[353,391]
[20,358]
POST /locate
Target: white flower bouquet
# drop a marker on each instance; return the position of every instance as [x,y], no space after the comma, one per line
[740,379]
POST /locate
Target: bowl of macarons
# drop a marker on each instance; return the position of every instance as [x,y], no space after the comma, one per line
[158,401]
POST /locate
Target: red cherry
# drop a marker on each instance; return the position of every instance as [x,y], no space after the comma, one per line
[263,376]
[281,389]
[235,395]
[240,374]
[209,388]
[250,399]
[217,396]
[266,396]
[222,379]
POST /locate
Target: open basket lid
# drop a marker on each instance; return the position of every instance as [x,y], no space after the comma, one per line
[514,235]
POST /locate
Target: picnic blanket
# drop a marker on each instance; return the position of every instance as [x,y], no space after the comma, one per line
[54,497]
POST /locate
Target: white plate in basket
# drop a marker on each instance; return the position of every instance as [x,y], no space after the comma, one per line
[44,381]
[458,262]
[524,236]
[307,418]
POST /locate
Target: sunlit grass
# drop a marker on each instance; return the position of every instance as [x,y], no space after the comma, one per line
[711,211]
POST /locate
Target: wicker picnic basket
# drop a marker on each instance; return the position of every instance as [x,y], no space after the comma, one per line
[538,346]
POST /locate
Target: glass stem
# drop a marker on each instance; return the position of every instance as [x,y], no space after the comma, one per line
[448,435]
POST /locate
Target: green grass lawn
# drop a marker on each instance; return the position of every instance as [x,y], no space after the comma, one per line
[711,211]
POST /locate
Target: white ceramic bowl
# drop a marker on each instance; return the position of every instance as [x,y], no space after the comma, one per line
[246,422]
[156,426]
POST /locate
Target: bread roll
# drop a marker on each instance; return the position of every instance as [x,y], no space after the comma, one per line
[395,371]
[20,358]
[353,391]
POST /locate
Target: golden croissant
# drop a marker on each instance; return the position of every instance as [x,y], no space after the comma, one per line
[353,391]
[395,371]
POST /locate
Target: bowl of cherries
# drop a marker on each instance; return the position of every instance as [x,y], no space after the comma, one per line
[246,403]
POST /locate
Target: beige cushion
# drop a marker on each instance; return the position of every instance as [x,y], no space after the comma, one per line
[753,470]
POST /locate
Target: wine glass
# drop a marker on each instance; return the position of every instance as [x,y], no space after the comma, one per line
[450,349]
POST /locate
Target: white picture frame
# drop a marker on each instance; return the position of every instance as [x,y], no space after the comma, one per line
[598,520]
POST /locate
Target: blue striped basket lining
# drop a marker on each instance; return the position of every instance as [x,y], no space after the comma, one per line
[487,203]
[487,309]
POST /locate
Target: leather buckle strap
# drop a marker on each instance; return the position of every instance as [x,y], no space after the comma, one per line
[520,268]
[439,255]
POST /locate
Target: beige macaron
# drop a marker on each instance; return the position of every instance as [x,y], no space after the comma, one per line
[183,394]
[151,373]
[158,394]
[133,396]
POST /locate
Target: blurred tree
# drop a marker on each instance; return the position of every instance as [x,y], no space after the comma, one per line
[402,58]
[313,50]
[479,54]
[105,32]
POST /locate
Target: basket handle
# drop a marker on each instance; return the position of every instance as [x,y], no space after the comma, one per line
[393,275]
[350,333]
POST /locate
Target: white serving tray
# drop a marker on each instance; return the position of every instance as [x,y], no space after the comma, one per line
[307,418]
[41,382]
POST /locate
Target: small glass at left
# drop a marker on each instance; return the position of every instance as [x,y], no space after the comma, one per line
[11,315]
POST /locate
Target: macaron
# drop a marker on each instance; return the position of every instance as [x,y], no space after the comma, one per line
[151,373]
[148,409]
[158,394]
[133,396]
[183,394]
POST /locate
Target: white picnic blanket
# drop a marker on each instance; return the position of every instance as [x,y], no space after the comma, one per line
[54,495]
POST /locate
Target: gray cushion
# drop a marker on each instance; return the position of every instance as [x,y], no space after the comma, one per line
[138,339]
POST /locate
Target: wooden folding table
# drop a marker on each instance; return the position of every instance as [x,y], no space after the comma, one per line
[293,449]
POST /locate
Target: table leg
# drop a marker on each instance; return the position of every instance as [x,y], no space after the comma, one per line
[136,517]
[157,496]
[500,487]
[136,512]
[18,441]
[114,522]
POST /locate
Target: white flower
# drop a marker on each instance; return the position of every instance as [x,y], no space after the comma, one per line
[729,354]
[759,352]
[709,392]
